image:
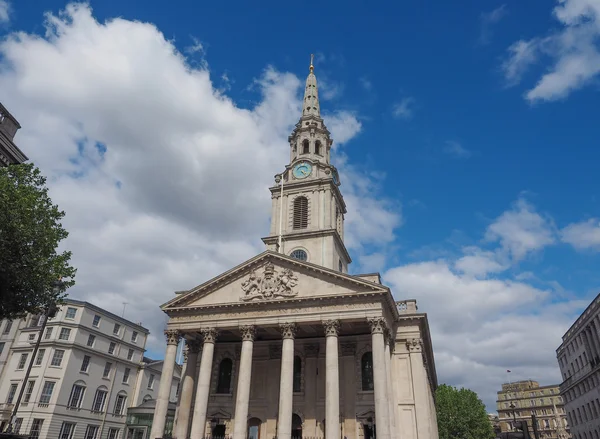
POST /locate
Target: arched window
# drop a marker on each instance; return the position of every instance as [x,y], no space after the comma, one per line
[305,147]
[146,398]
[296,426]
[254,428]
[120,401]
[100,399]
[300,213]
[76,397]
[318,147]
[366,368]
[224,383]
[299,254]
[297,374]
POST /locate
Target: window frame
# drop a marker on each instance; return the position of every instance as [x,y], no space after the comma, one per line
[12,391]
[87,365]
[54,358]
[34,433]
[68,311]
[96,323]
[47,391]
[79,400]
[66,331]
[22,361]
[28,391]
[39,358]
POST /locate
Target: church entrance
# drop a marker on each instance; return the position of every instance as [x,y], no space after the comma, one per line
[369,429]
[218,431]
[296,427]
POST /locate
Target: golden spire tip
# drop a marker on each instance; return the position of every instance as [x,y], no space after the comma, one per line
[311,62]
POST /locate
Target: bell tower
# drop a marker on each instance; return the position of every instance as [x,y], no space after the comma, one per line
[307,216]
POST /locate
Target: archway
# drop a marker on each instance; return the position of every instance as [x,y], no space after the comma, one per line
[254,428]
[296,427]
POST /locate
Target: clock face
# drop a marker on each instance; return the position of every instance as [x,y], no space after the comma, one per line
[302,170]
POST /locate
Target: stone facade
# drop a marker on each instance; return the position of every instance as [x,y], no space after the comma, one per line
[521,399]
[10,153]
[579,361]
[288,344]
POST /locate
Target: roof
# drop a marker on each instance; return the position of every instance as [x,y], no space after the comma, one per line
[107,313]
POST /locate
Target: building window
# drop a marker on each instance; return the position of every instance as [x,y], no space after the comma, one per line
[11,393]
[48,333]
[36,428]
[299,254]
[130,354]
[7,327]
[31,337]
[40,357]
[57,358]
[300,213]
[116,329]
[120,403]
[366,367]
[65,333]
[126,375]
[113,433]
[318,147]
[151,382]
[96,321]
[47,392]
[66,431]
[99,400]
[111,348]
[1,347]
[224,382]
[91,340]
[76,397]
[28,391]
[305,146]
[18,423]
[22,361]
[297,374]
[85,364]
[91,432]
[71,313]
[134,336]
[107,368]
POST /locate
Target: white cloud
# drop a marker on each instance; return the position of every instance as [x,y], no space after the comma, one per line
[4,11]
[404,109]
[366,83]
[583,235]
[573,51]
[479,263]
[455,149]
[488,19]
[163,178]
[343,126]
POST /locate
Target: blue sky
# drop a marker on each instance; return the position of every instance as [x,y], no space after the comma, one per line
[465,137]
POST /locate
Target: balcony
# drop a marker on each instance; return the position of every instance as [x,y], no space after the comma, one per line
[407,306]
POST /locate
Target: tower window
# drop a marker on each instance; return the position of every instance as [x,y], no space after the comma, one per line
[305,147]
[318,147]
[300,255]
[300,213]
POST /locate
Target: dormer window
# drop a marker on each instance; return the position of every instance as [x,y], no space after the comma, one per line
[305,147]
[318,147]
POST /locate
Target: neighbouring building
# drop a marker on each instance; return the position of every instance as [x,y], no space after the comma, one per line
[89,369]
[495,422]
[290,345]
[521,399]
[579,361]
[10,153]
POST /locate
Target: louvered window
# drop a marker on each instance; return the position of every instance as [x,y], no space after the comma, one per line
[305,147]
[318,147]
[300,213]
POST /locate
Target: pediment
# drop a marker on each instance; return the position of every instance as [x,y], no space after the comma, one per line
[271,277]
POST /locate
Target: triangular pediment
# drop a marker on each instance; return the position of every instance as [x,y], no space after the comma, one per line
[271,277]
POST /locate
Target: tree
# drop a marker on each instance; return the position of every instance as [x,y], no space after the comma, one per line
[461,414]
[30,232]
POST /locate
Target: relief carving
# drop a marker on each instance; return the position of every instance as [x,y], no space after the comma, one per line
[270,285]
[414,344]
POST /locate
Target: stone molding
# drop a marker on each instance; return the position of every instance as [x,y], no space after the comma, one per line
[332,328]
[378,325]
[209,335]
[288,330]
[248,332]
[348,349]
[173,336]
[311,350]
[414,345]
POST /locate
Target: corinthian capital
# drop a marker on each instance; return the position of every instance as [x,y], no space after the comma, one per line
[173,336]
[248,332]
[332,327]
[288,330]
[209,334]
[377,324]
[414,345]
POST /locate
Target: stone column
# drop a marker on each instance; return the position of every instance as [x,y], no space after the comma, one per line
[422,391]
[164,389]
[286,383]
[311,354]
[382,409]
[348,387]
[390,390]
[187,391]
[242,399]
[203,388]
[332,380]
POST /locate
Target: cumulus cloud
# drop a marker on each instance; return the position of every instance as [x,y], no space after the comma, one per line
[4,11]
[163,177]
[583,235]
[572,49]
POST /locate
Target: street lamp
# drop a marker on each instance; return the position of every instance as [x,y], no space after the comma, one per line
[49,312]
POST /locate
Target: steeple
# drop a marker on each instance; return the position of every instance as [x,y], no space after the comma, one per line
[310,106]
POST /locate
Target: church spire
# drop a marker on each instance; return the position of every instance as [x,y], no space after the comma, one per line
[310,105]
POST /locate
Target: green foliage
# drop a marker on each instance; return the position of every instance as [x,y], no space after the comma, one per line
[461,414]
[30,232]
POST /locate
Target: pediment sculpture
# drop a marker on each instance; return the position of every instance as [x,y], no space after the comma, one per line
[270,285]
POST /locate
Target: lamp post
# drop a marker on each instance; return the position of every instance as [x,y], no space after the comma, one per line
[49,312]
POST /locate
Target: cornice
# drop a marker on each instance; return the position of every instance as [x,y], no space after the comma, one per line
[304,184]
[272,239]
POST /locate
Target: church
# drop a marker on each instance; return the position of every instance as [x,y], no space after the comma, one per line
[290,345]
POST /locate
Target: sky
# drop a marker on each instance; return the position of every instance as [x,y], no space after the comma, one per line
[464,135]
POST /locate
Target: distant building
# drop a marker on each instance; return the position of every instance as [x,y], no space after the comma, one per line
[521,399]
[579,361]
[90,368]
[495,422]
[10,153]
